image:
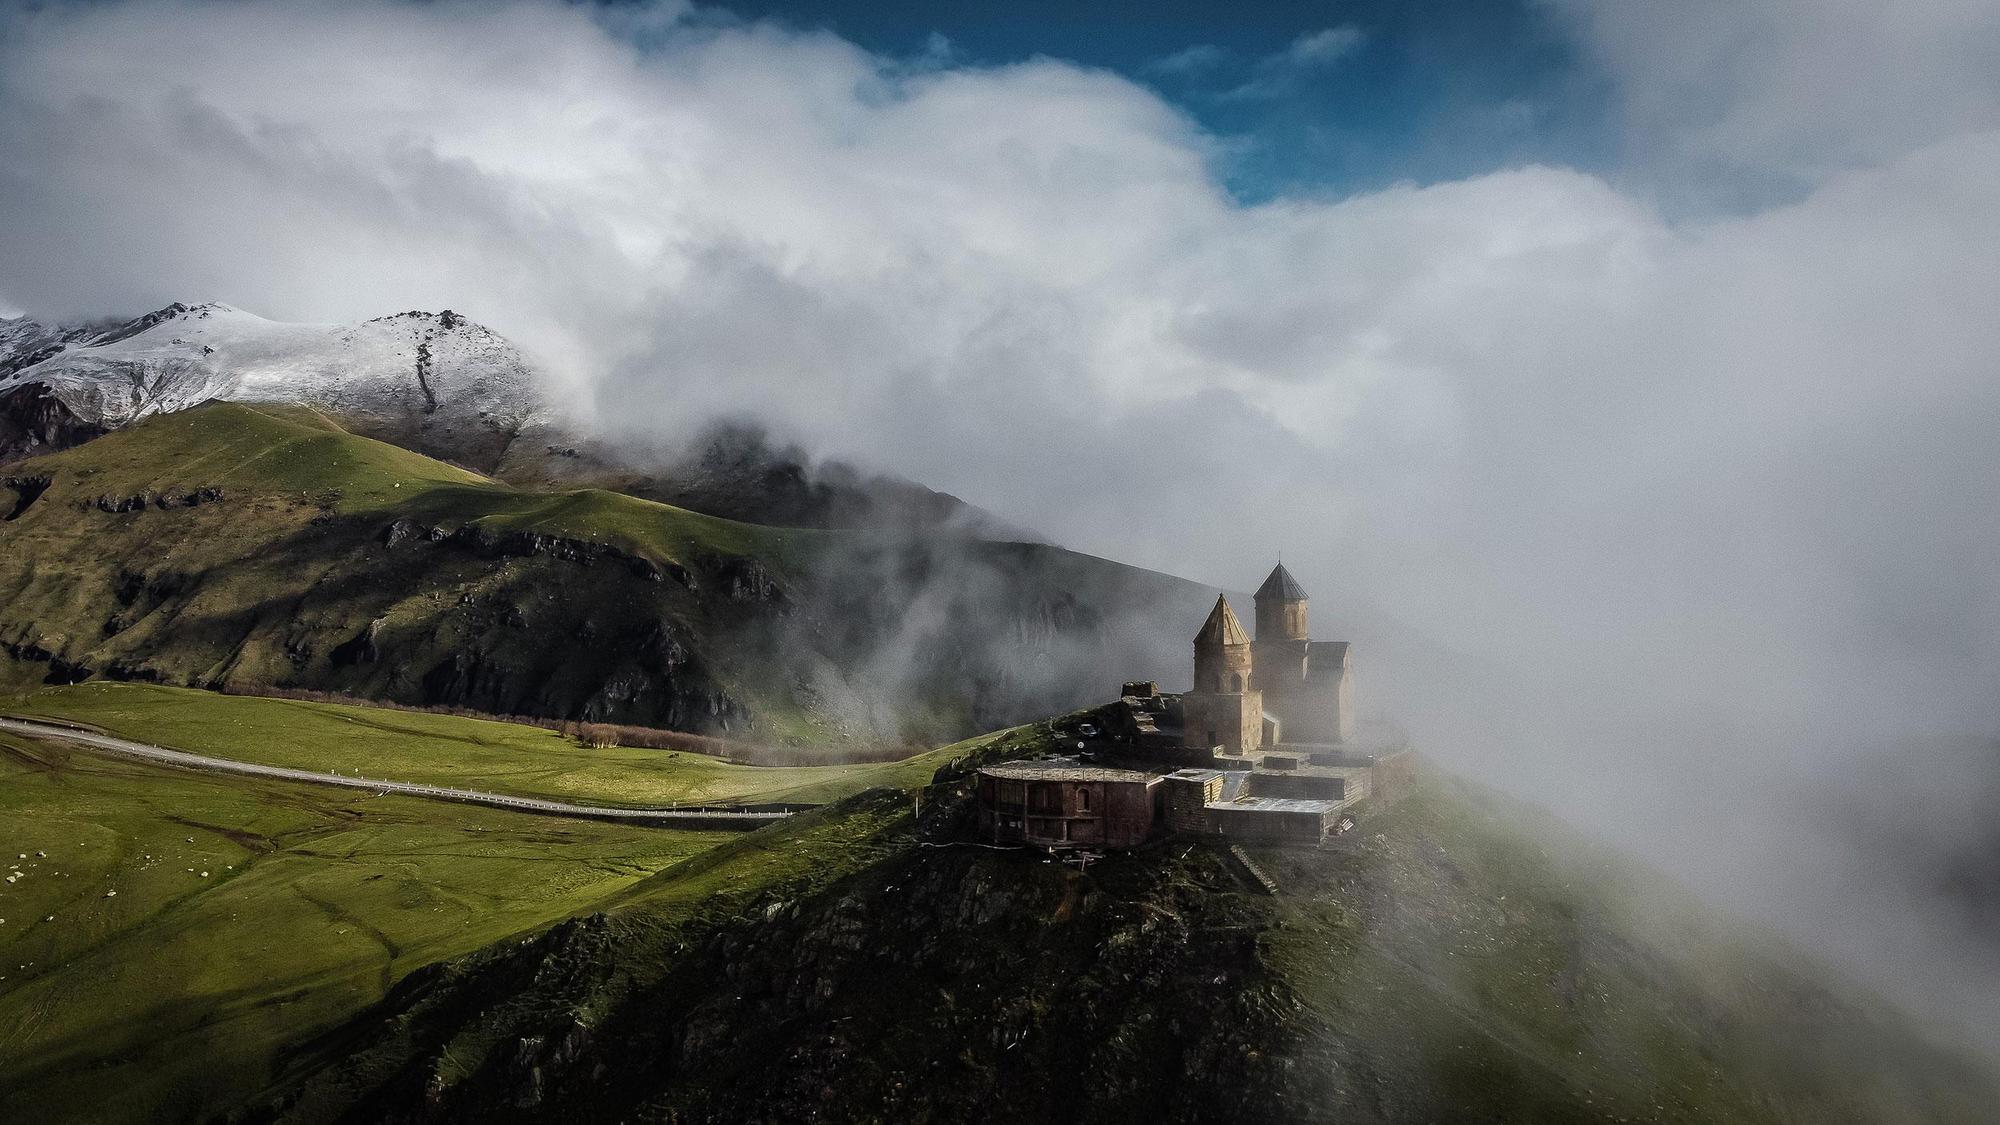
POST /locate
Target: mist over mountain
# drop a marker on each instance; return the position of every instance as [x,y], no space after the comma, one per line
[1620,381]
[436,383]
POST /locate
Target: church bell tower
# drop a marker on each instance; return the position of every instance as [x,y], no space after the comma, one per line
[1282,645]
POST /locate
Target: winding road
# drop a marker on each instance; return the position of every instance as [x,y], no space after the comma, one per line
[727,818]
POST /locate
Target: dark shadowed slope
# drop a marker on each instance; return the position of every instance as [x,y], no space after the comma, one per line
[1459,960]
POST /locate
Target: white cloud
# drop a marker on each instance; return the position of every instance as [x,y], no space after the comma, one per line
[983,276]
[1799,88]
[1272,75]
[1197,59]
[1728,470]
[1281,72]
[1324,46]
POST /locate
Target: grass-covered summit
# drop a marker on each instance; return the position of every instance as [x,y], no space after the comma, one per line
[253,547]
[259,448]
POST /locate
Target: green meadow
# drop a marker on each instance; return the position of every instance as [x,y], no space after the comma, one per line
[165,930]
[169,938]
[500,757]
[295,451]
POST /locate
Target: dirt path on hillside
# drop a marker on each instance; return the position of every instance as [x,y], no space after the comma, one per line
[704,817]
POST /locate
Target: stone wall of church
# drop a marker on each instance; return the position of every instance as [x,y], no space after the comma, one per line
[1234,721]
[1322,710]
[1278,621]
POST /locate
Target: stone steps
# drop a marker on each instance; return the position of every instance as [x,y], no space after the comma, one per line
[1250,868]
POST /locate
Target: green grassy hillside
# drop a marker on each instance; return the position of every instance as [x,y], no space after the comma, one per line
[444,750]
[280,951]
[1459,959]
[168,939]
[272,451]
[169,934]
[253,547]
[265,448]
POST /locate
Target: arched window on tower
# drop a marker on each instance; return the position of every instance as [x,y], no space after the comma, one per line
[1236,682]
[1083,800]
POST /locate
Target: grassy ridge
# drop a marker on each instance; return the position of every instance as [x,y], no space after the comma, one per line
[265,585]
[499,757]
[646,527]
[1461,959]
[277,450]
[262,448]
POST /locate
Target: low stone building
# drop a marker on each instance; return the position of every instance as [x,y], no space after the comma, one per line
[1319,783]
[1186,795]
[1274,820]
[1064,804]
[1241,805]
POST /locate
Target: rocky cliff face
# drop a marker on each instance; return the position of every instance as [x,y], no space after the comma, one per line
[34,420]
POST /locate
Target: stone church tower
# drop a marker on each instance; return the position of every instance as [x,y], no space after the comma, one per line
[1225,708]
[1307,684]
[1282,640]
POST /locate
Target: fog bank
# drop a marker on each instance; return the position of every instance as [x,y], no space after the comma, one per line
[1701,491]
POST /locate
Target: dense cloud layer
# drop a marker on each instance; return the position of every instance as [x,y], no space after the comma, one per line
[1794,89]
[1709,491]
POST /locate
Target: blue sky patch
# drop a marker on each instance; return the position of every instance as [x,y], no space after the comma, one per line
[1310,98]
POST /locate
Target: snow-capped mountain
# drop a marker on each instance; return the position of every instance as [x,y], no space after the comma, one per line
[433,382]
[416,371]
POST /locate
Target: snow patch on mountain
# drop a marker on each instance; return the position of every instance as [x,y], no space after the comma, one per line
[436,383]
[411,365]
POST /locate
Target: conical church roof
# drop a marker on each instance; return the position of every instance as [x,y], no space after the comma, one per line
[1221,628]
[1281,586]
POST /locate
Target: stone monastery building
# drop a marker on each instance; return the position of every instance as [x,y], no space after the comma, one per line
[1280,687]
[1262,747]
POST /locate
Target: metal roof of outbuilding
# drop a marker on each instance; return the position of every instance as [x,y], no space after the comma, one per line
[1062,771]
[1276,805]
